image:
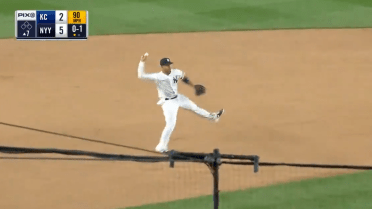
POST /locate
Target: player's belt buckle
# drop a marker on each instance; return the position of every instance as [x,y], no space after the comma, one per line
[171,98]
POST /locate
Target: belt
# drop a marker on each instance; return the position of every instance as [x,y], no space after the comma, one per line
[171,98]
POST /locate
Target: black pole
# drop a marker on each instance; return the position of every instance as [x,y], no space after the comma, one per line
[171,160]
[256,163]
[215,167]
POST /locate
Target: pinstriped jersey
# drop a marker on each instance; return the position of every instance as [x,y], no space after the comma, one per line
[167,85]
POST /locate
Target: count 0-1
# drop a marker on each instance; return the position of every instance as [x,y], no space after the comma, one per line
[74,28]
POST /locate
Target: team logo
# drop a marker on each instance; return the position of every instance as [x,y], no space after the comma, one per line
[175,80]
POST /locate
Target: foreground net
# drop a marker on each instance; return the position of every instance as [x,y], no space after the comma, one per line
[187,176]
[190,172]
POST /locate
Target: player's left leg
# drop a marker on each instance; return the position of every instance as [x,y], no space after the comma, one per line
[186,103]
[170,110]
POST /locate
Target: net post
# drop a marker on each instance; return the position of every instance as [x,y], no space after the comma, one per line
[215,171]
[171,160]
[255,163]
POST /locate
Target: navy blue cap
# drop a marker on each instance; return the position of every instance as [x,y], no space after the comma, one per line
[165,61]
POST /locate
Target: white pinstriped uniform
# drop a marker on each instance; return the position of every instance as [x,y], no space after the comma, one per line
[167,86]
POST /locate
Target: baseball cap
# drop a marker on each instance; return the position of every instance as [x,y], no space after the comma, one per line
[165,61]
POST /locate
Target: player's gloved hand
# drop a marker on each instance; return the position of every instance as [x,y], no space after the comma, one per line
[199,89]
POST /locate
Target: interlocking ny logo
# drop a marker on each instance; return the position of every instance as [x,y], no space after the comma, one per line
[175,80]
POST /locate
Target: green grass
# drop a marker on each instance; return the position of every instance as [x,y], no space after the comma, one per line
[156,16]
[352,191]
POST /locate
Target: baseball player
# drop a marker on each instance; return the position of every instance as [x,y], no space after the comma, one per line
[169,99]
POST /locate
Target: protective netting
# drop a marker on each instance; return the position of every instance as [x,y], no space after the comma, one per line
[139,180]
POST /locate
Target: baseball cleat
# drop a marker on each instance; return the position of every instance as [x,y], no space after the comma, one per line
[161,149]
[218,115]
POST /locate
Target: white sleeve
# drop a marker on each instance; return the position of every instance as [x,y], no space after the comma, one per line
[143,75]
[181,73]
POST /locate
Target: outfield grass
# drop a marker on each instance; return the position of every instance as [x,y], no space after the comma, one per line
[352,191]
[155,16]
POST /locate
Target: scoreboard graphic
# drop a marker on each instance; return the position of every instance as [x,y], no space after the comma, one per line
[51,25]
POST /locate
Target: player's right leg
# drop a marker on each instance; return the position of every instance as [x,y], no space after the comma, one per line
[170,110]
[186,103]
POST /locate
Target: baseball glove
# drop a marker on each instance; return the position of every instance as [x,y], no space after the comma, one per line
[199,89]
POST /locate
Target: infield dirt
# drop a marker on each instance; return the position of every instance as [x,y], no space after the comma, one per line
[295,96]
